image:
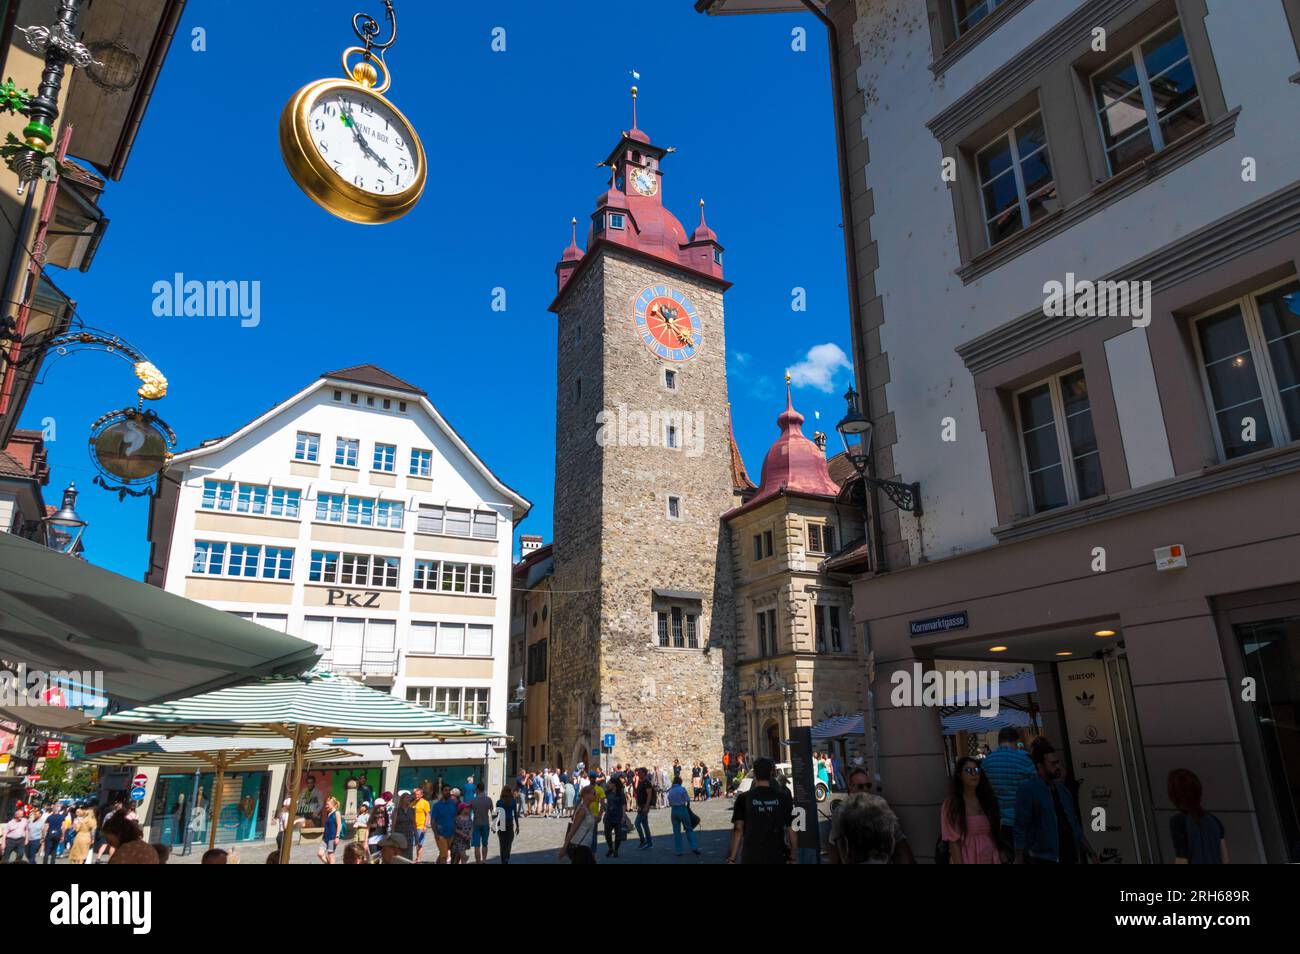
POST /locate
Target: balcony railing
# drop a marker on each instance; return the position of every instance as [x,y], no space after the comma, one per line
[366,662]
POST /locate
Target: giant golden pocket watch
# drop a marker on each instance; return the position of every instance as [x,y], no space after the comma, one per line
[349,148]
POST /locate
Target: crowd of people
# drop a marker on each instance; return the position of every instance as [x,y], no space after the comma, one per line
[1012,804]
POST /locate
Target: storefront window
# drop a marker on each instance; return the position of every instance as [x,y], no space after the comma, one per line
[242,816]
[1272,655]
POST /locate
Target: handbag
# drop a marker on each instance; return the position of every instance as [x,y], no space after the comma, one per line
[695,819]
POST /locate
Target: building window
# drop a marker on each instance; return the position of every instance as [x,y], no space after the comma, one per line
[252,499]
[536,666]
[218,495]
[278,563]
[717,256]
[345,452]
[670,379]
[360,511]
[329,507]
[485,525]
[242,560]
[353,569]
[1062,463]
[285,502]
[209,558]
[677,628]
[457,522]
[426,575]
[429,519]
[674,507]
[616,220]
[388,514]
[385,458]
[1250,366]
[1016,183]
[827,626]
[338,396]
[452,577]
[577,389]
[766,624]
[451,639]
[767,543]
[967,13]
[307,447]
[480,579]
[421,463]
[670,436]
[821,538]
[1147,98]
[758,547]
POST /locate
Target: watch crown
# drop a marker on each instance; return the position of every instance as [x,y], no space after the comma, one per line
[365,74]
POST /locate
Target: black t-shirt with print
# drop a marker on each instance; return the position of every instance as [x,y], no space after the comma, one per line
[767,811]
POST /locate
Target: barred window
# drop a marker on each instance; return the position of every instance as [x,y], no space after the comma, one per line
[663,628]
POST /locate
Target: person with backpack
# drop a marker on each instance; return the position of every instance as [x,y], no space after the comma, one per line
[1197,835]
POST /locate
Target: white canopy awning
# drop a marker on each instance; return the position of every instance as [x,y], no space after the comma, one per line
[145,645]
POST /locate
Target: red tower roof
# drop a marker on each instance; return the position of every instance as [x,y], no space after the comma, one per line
[626,217]
[794,463]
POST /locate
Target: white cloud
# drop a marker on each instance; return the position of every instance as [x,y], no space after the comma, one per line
[817,369]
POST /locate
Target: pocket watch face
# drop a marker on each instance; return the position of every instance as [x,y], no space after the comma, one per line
[645,181]
[363,140]
[667,323]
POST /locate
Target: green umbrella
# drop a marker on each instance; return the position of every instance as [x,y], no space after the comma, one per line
[221,755]
[318,704]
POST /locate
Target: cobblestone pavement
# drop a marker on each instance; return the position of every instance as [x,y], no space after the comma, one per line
[539,838]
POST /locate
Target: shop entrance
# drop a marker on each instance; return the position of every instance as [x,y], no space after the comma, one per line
[1072,686]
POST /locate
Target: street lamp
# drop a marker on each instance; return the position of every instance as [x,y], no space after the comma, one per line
[855,432]
[63,529]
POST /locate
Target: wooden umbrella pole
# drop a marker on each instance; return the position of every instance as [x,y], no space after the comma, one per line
[214,808]
[300,742]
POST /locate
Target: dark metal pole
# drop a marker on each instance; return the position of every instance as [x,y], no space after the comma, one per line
[59,45]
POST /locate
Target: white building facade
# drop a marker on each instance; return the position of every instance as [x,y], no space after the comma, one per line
[352,515]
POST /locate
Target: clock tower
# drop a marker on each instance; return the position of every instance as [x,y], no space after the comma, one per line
[644,615]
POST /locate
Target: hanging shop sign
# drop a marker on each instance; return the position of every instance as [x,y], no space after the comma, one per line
[346,146]
[129,448]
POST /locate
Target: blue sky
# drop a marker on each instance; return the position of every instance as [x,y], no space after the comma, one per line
[513,139]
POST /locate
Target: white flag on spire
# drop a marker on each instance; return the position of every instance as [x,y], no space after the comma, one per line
[635,74]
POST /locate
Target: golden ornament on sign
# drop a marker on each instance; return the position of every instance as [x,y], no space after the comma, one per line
[154,386]
[351,150]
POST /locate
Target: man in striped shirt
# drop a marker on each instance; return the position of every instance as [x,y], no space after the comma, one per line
[1006,769]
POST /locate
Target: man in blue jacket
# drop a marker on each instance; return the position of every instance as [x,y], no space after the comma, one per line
[1047,829]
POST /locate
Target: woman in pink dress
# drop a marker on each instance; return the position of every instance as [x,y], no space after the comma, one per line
[969,817]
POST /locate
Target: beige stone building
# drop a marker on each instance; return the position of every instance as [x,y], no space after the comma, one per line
[797,661]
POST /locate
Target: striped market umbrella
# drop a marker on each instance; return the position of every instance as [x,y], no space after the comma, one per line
[221,755]
[316,705]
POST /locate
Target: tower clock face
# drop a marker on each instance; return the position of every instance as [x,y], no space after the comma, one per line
[645,181]
[667,323]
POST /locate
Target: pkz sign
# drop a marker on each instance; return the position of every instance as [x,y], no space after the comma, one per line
[939,624]
[368,599]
